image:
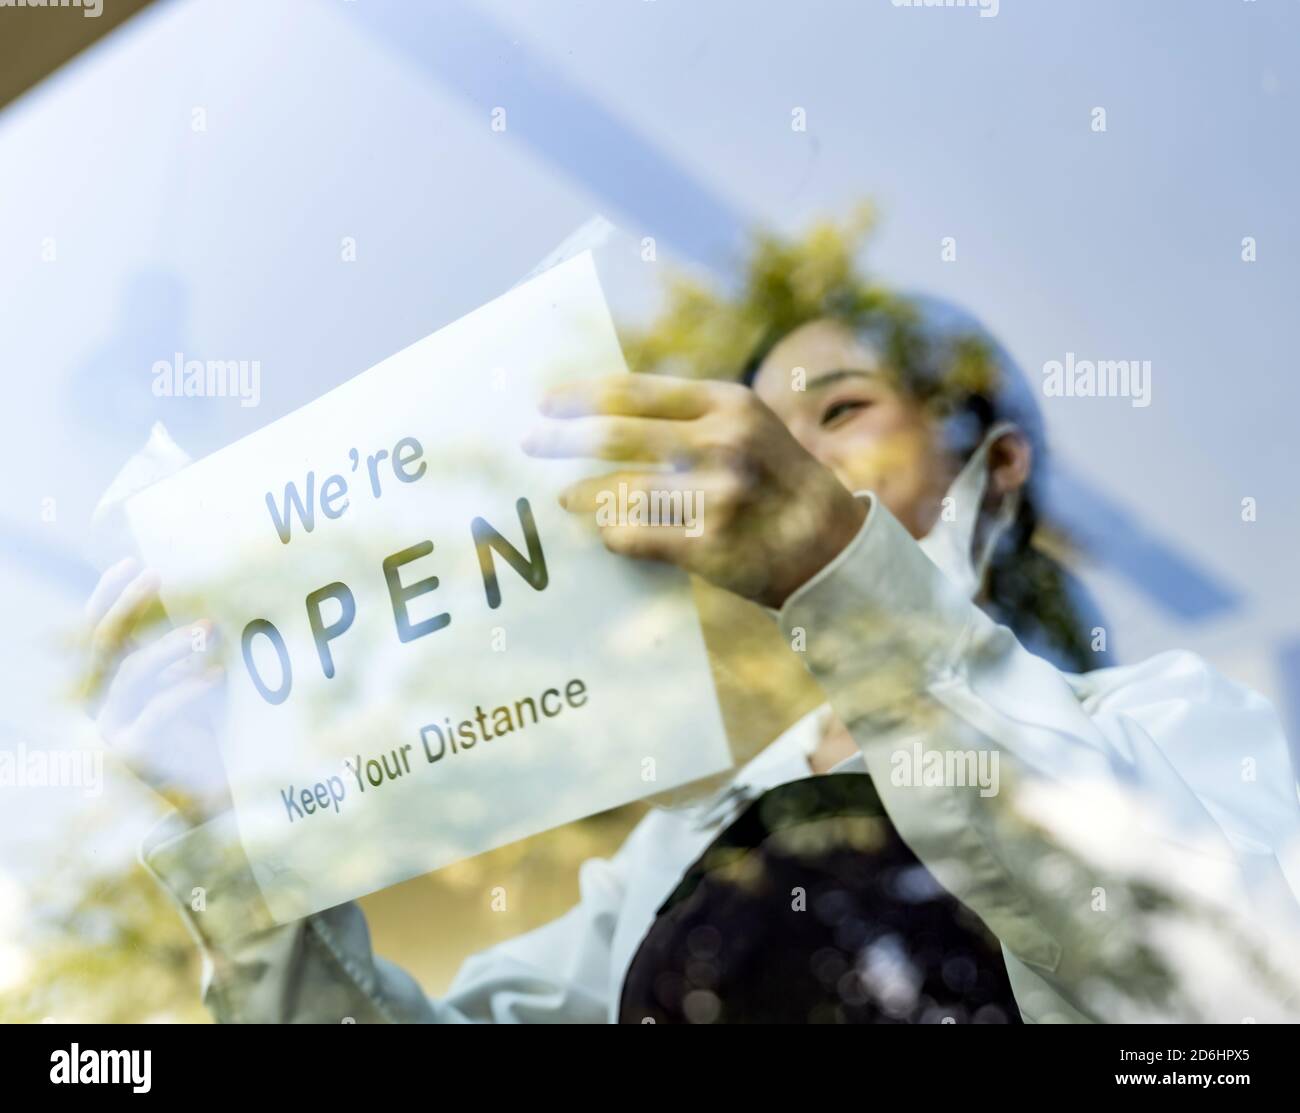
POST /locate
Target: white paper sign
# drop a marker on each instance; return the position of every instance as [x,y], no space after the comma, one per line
[427,656]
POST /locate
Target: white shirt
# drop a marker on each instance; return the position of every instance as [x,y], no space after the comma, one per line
[1137,859]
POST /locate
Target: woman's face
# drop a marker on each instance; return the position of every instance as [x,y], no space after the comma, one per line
[845,410]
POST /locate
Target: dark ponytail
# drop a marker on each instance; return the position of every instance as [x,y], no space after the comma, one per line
[1045,605]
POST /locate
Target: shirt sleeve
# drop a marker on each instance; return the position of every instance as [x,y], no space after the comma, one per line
[1036,797]
[322,969]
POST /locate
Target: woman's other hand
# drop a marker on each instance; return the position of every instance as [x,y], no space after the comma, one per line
[155,692]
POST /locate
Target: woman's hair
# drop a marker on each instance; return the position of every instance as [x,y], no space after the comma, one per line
[942,359]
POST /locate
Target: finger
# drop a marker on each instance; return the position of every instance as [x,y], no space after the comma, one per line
[143,671]
[682,492]
[167,704]
[661,543]
[109,588]
[125,612]
[629,396]
[146,736]
[630,439]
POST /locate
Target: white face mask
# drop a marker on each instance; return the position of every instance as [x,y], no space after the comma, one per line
[950,544]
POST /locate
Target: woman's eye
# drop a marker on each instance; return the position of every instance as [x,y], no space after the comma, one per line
[838,410]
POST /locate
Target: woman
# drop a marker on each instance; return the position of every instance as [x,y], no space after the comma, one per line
[869,504]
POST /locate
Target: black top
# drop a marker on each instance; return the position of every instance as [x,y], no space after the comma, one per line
[810,908]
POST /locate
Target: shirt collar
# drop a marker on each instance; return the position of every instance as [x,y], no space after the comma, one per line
[785,760]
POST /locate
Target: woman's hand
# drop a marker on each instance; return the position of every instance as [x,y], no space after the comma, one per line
[754,512]
[155,692]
